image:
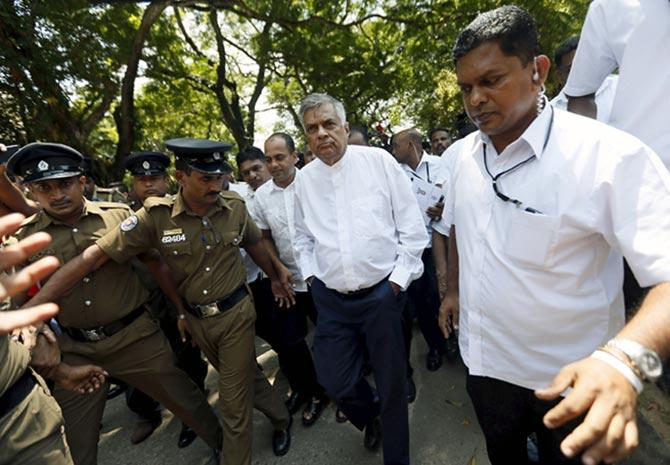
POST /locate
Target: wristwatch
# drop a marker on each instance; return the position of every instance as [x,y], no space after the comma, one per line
[647,362]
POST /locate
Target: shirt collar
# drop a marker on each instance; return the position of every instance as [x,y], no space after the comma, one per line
[180,206]
[535,135]
[89,208]
[275,187]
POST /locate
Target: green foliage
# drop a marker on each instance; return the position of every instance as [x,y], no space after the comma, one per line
[62,62]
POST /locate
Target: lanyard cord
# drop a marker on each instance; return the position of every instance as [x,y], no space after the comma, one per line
[495,178]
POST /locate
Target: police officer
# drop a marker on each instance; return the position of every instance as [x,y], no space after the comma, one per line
[31,424]
[150,179]
[198,232]
[103,316]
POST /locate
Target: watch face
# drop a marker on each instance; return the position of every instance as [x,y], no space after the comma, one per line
[651,365]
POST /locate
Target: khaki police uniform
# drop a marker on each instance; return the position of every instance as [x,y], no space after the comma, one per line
[203,254]
[31,428]
[138,354]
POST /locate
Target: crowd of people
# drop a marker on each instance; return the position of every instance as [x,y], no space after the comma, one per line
[506,244]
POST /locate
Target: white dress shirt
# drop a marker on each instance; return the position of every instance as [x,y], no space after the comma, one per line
[247,193]
[273,210]
[541,290]
[358,222]
[631,35]
[430,170]
[604,98]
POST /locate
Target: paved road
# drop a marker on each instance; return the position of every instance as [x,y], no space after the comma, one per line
[443,429]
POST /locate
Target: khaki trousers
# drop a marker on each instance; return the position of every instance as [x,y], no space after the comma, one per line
[228,342]
[33,433]
[140,356]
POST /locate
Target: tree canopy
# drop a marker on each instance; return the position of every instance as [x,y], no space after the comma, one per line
[110,77]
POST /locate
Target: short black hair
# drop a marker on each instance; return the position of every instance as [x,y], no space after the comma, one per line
[512,27]
[249,154]
[181,165]
[362,130]
[434,130]
[567,46]
[288,140]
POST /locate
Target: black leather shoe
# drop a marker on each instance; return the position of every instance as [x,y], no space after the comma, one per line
[452,351]
[373,435]
[143,429]
[433,360]
[313,410]
[295,401]
[281,440]
[186,436]
[411,389]
[340,416]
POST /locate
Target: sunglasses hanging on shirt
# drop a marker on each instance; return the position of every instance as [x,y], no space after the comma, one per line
[518,203]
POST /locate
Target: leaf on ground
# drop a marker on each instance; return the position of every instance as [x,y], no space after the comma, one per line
[466,423]
[454,403]
[472,461]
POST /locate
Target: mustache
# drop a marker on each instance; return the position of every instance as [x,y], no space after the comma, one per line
[213,193]
[59,203]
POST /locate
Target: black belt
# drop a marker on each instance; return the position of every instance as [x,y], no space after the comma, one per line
[361,292]
[17,392]
[221,305]
[103,332]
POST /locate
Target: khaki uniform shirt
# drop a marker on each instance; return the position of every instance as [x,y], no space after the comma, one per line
[202,252]
[107,294]
[14,359]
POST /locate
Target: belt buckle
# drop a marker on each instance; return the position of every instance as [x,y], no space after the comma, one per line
[208,310]
[95,334]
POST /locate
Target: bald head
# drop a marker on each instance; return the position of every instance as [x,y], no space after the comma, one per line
[407,146]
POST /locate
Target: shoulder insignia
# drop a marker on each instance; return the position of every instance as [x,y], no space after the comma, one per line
[129,223]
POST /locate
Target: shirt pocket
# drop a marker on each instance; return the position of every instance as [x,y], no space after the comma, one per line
[177,251]
[367,216]
[530,237]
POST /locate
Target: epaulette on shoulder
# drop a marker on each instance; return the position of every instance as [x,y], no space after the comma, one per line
[231,195]
[152,202]
[112,205]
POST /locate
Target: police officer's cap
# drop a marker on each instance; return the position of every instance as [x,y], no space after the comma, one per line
[147,163]
[41,161]
[200,154]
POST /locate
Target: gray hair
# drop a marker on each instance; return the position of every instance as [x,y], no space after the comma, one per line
[315,101]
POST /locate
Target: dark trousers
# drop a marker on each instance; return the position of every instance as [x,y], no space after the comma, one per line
[508,414]
[425,298]
[285,330]
[346,326]
[188,359]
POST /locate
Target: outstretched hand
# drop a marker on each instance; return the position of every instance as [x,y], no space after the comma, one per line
[609,430]
[13,283]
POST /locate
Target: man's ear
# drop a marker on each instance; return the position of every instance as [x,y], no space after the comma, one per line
[346,127]
[542,66]
[179,176]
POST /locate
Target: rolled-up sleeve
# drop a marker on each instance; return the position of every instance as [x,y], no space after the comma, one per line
[133,236]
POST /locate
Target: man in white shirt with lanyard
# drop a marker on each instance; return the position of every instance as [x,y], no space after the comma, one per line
[359,238]
[272,210]
[423,170]
[542,204]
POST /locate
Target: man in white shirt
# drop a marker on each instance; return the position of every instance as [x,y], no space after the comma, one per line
[563,58]
[631,35]
[359,238]
[440,140]
[542,204]
[421,168]
[272,210]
